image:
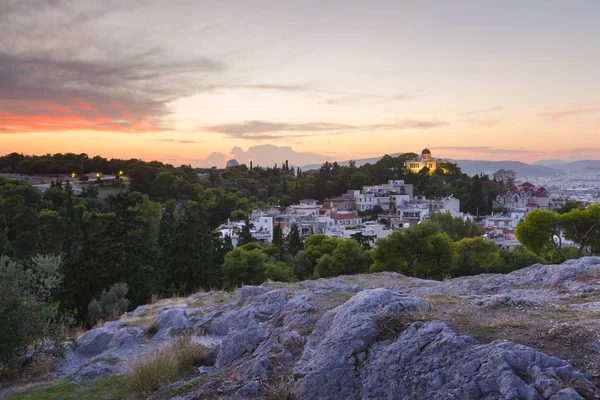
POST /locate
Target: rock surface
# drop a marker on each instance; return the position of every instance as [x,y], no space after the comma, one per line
[377,336]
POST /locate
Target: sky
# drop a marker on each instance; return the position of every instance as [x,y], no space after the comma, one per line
[202,81]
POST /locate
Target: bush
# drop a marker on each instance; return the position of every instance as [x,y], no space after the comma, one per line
[164,366]
[109,305]
[30,324]
[349,257]
[280,271]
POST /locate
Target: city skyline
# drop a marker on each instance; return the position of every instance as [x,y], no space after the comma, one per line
[200,82]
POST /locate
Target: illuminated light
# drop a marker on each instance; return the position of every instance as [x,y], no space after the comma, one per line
[120,172]
[97,176]
[73,175]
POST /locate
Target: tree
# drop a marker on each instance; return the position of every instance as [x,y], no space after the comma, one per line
[303,267]
[349,257]
[512,260]
[475,255]
[541,231]
[456,227]
[190,258]
[244,265]
[318,245]
[293,241]
[365,241]
[109,304]
[583,227]
[280,272]
[423,250]
[246,232]
[28,317]
[568,206]
[278,242]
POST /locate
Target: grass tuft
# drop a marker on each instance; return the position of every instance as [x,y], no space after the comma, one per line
[152,329]
[162,367]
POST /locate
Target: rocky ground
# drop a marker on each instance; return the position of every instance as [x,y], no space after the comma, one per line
[531,334]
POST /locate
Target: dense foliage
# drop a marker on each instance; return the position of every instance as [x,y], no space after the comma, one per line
[30,323]
[543,231]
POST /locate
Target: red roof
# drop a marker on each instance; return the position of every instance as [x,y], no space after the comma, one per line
[527,184]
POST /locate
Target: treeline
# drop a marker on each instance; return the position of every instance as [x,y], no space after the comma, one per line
[158,236]
[237,190]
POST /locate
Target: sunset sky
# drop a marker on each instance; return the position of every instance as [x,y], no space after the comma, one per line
[201,81]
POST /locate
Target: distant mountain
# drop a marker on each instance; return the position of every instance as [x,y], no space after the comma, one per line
[523,170]
[473,167]
[576,165]
[549,163]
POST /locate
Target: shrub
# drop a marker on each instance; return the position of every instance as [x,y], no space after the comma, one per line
[30,324]
[163,366]
[109,305]
[280,271]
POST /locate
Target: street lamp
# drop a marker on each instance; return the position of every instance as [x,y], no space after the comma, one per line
[72,174]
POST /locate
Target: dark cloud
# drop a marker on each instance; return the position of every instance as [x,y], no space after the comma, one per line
[56,74]
[560,115]
[486,149]
[260,130]
[483,110]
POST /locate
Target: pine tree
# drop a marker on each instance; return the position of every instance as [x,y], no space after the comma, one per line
[246,234]
[293,241]
[278,241]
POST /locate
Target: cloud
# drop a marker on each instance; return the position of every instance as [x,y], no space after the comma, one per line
[483,110]
[263,155]
[262,130]
[56,74]
[366,98]
[557,116]
[177,141]
[486,150]
[487,123]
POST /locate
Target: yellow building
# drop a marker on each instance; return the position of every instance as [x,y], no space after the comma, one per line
[424,161]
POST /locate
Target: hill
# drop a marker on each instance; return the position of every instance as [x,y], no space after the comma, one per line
[473,167]
[383,336]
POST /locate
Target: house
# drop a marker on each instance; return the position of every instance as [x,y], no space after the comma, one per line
[350,218]
[340,203]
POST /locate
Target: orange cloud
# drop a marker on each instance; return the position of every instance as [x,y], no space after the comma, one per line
[82,104]
[68,121]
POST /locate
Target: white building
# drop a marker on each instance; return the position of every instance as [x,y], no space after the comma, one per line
[507,221]
[425,161]
[262,230]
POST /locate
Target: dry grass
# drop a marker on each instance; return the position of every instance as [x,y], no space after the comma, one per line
[155,298]
[152,329]
[80,330]
[276,390]
[162,367]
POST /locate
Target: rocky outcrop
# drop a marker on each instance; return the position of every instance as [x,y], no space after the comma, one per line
[377,336]
[429,360]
